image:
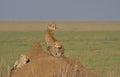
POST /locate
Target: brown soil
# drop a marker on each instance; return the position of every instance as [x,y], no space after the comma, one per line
[44,65]
[36,50]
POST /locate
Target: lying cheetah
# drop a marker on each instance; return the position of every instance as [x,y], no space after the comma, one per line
[56,50]
[20,62]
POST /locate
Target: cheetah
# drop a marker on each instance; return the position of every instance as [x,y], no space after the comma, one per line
[20,62]
[54,47]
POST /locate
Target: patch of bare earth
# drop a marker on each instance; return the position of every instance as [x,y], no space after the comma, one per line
[43,65]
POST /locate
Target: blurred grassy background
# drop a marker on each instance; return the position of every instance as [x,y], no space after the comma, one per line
[97,50]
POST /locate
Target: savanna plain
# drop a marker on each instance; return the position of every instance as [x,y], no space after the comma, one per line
[95,44]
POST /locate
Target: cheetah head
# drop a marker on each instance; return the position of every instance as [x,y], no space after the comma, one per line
[24,59]
[52,27]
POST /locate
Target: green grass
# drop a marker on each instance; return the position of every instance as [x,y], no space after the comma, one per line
[98,51]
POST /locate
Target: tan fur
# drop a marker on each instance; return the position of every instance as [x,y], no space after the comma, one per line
[49,38]
[54,47]
[21,62]
[56,50]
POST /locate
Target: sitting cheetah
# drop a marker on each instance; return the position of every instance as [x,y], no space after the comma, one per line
[54,47]
[49,38]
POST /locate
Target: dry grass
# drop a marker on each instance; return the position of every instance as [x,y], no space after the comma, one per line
[68,70]
[73,26]
[112,73]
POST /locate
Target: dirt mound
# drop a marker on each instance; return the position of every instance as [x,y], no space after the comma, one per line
[44,65]
[36,50]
